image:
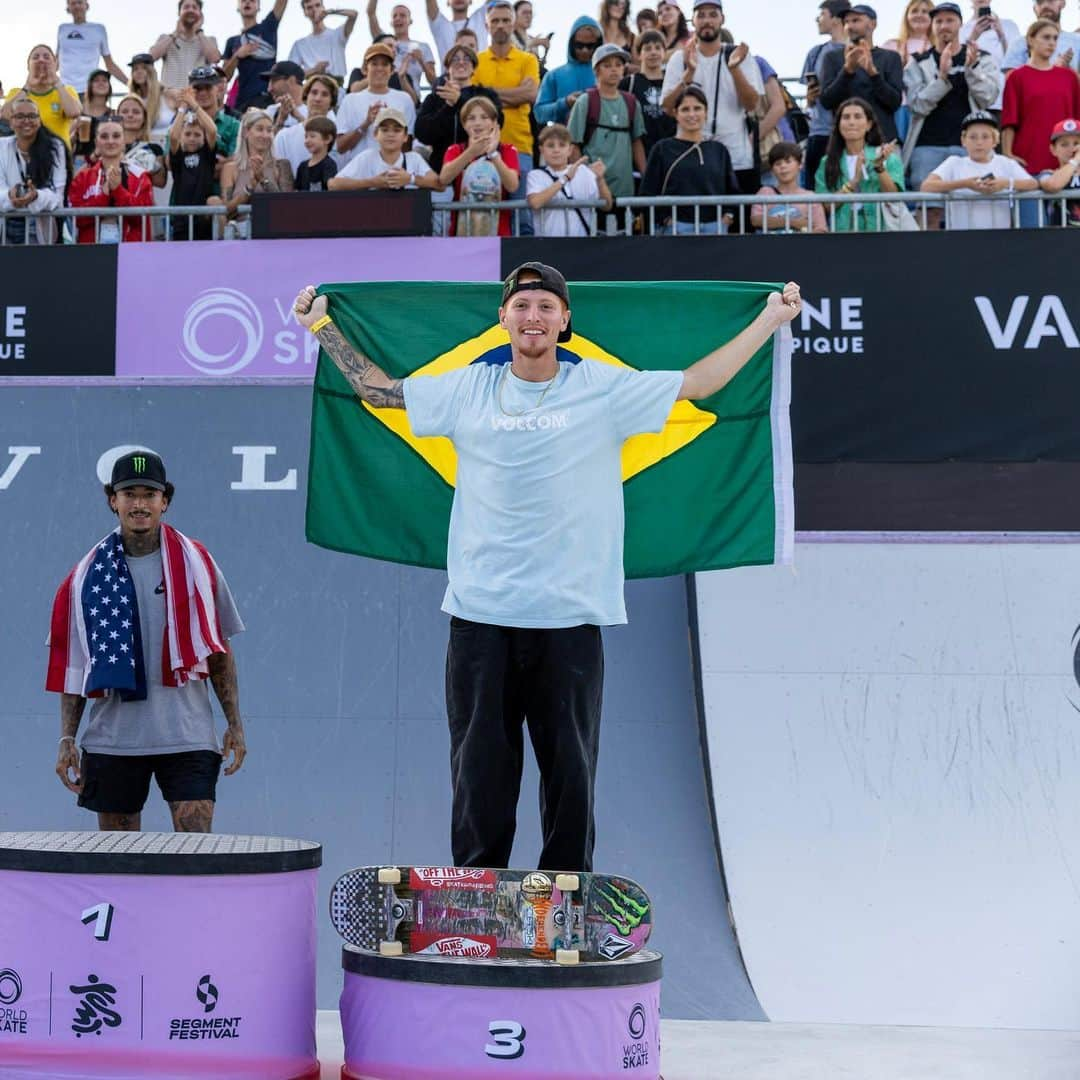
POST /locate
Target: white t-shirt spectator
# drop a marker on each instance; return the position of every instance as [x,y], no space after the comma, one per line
[78,46]
[726,120]
[415,70]
[295,119]
[329,46]
[445,30]
[370,164]
[354,110]
[979,213]
[550,220]
[289,145]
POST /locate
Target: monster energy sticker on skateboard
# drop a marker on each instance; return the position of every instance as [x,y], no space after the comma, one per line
[488,914]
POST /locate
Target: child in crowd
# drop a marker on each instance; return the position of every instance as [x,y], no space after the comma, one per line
[646,86]
[387,165]
[982,171]
[192,139]
[785,162]
[1065,146]
[558,181]
[316,173]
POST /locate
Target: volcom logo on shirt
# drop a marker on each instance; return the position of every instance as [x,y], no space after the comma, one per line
[543,422]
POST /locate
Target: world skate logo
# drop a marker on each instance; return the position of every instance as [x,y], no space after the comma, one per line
[476,948]
[95,1010]
[613,946]
[439,877]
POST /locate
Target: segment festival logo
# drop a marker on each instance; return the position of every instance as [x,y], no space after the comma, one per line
[205,1027]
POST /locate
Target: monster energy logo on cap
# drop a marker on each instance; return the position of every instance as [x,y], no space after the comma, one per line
[140,468]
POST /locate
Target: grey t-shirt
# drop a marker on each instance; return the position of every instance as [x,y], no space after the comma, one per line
[172,719]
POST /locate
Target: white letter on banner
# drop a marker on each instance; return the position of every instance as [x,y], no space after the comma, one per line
[1051,307]
[20,455]
[822,315]
[1001,337]
[253,471]
[851,313]
[15,322]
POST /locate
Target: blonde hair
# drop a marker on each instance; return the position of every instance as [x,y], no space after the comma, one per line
[905,29]
[251,118]
[144,131]
[152,101]
[479,102]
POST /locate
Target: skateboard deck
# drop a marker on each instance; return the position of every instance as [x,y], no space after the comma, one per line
[491,914]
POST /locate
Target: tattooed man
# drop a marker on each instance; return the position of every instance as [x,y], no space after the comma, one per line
[535,551]
[140,625]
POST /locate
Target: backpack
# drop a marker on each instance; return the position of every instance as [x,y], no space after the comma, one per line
[592,115]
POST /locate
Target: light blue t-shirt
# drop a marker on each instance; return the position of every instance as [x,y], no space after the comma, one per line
[1017,53]
[536,529]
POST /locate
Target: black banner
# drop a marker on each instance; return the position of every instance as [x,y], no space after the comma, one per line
[911,348]
[58,310]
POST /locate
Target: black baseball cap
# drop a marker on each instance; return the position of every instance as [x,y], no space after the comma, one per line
[951,9]
[140,468]
[862,9]
[141,58]
[548,279]
[285,69]
[979,117]
[204,75]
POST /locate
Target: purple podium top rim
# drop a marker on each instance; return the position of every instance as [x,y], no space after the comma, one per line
[173,854]
[643,967]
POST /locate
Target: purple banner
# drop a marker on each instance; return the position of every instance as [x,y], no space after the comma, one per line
[130,975]
[224,310]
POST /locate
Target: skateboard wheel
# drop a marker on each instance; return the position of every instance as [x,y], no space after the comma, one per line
[390,948]
[389,875]
[567,956]
[567,882]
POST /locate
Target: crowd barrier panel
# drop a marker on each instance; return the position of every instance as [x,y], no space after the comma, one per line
[636,215]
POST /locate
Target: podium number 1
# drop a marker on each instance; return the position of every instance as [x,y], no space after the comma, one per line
[101,916]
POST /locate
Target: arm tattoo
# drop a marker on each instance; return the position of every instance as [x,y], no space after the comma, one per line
[71,710]
[223,676]
[370,382]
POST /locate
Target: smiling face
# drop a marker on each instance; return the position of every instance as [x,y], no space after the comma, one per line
[534,318]
[317,144]
[478,123]
[918,19]
[556,152]
[668,14]
[99,87]
[319,100]
[390,136]
[708,21]
[133,115]
[260,135]
[139,509]
[25,120]
[190,13]
[853,123]
[400,20]
[109,142]
[378,71]
[690,116]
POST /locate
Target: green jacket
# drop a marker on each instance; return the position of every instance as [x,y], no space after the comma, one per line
[865,220]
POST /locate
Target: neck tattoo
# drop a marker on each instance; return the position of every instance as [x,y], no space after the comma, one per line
[539,400]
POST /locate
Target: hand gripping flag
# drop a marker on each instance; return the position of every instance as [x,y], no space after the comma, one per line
[94,641]
[713,490]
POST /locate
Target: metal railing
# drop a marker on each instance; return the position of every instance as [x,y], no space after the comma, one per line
[648,216]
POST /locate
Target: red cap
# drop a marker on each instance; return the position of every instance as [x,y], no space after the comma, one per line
[1065,127]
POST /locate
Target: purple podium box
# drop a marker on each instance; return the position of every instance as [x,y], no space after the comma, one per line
[438,1018]
[157,954]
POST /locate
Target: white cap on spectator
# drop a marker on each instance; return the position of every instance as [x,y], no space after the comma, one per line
[390,114]
[609,50]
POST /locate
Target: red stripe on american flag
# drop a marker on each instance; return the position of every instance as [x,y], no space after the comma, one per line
[178,601]
[58,637]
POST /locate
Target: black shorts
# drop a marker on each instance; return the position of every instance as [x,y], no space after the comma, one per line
[120,783]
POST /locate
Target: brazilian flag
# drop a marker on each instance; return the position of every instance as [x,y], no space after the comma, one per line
[713,490]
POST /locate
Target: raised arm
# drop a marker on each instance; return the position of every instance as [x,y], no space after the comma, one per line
[367,379]
[373,19]
[714,371]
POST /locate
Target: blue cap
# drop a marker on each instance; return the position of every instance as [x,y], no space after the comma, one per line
[707,3]
[862,9]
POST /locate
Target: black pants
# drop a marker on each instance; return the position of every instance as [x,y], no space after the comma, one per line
[498,677]
[816,145]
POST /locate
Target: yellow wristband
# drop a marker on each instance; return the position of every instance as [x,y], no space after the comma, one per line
[318,324]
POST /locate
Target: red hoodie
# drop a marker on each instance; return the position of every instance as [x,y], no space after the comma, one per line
[86,190]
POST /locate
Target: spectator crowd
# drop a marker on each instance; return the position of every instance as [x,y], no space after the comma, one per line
[664,103]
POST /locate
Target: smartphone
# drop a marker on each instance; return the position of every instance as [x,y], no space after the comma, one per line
[982,12]
[988,176]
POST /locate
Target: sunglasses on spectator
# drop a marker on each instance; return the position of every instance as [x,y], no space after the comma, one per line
[586,44]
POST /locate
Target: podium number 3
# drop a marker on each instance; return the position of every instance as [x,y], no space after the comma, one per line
[509,1039]
[101,916]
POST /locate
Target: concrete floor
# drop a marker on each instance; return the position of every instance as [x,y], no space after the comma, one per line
[701,1050]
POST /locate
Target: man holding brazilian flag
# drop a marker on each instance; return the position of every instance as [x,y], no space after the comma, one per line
[510,451]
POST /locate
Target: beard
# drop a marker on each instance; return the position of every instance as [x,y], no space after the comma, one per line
[708,34]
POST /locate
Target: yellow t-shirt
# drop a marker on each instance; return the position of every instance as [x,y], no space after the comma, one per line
[53,117]
[506,73]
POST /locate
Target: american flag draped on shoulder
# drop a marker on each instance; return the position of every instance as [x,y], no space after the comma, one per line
[94,641]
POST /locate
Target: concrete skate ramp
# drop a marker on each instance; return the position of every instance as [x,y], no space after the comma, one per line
[341,671]
[895,759]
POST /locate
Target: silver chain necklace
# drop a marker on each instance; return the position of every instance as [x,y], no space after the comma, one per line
[539,400]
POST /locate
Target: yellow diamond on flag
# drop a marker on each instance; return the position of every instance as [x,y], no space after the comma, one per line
[684,424]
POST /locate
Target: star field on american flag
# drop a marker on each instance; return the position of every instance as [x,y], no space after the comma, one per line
[110,610]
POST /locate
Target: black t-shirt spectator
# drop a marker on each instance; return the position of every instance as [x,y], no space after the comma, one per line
[249,70]
[316,177]
[438,124]
[942,126]
[679,167]
[885,90]
[658,125]
[193,184]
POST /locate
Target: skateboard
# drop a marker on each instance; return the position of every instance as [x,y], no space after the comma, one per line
[491,914]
